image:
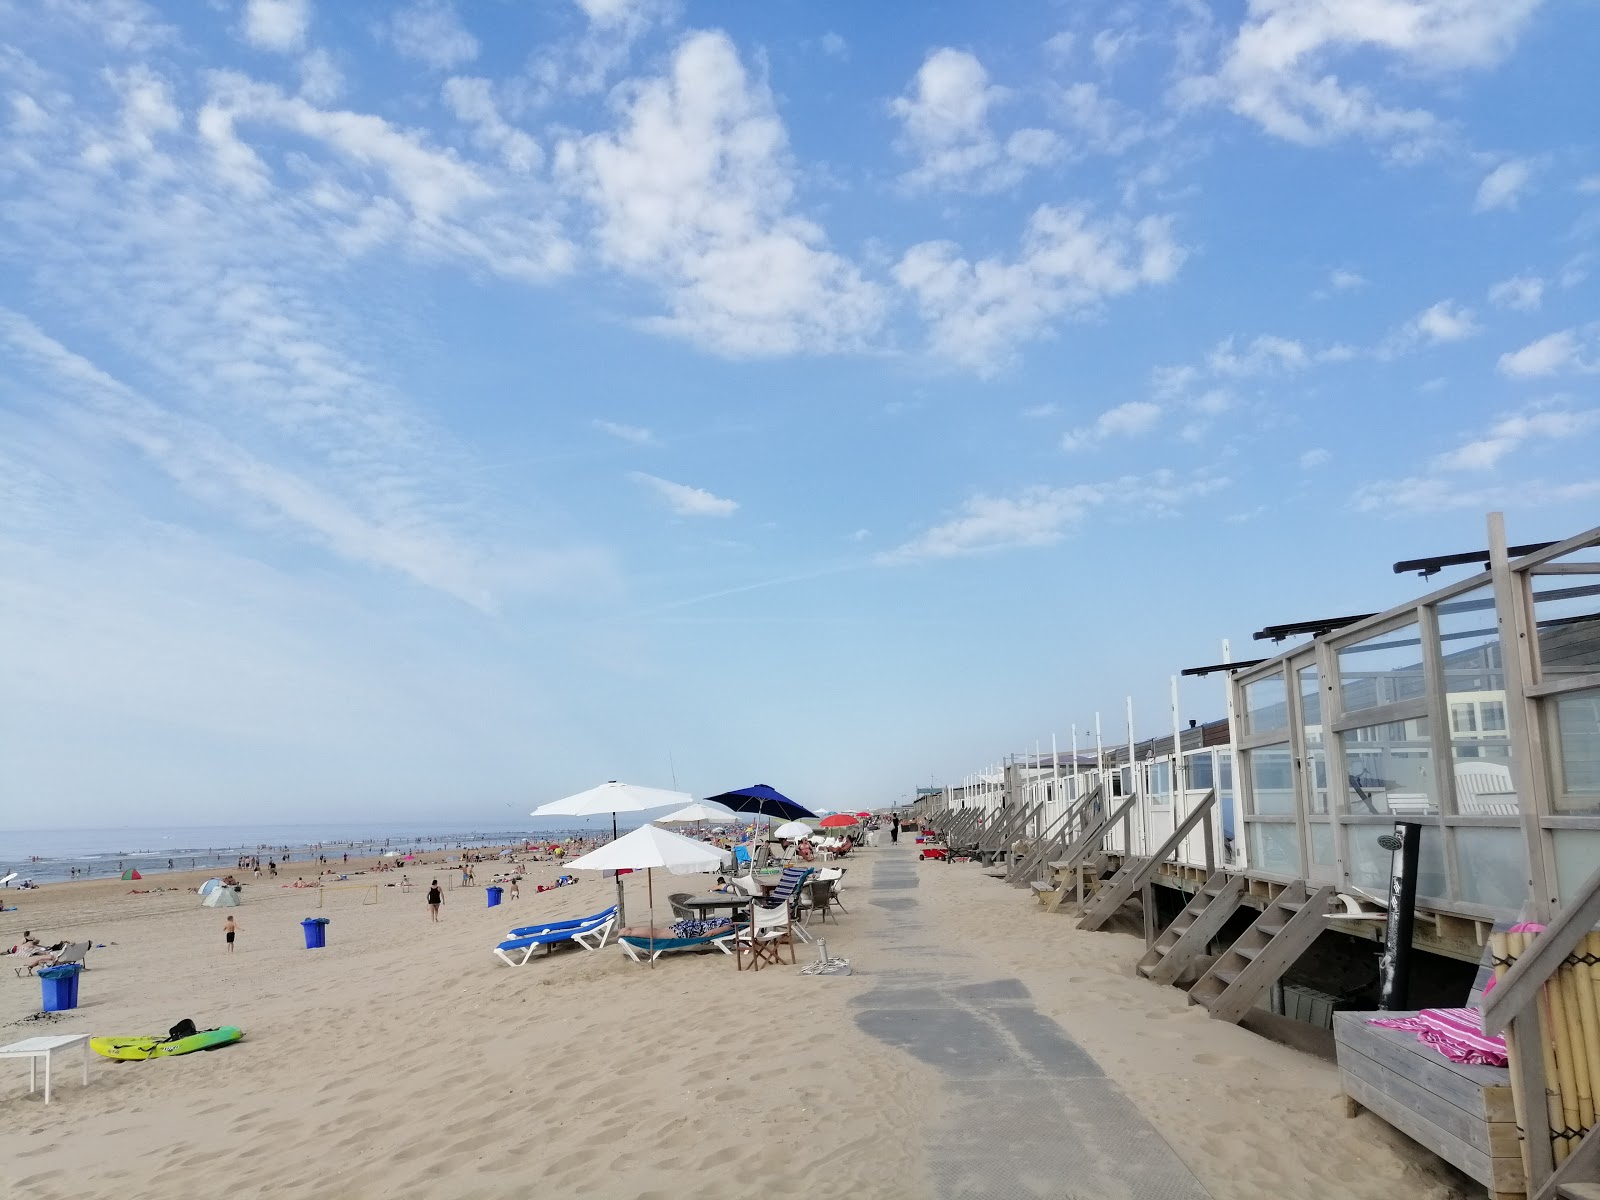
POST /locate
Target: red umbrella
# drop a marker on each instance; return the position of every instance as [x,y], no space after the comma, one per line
[837,821]
[864,815]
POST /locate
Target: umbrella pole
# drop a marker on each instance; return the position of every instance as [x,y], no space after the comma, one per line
[622,913]
[650,888]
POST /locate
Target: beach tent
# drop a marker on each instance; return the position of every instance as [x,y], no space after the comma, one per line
[222,897]
[130,873]
[209,886]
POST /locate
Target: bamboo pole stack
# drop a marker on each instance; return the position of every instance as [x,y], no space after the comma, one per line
[1569,1028]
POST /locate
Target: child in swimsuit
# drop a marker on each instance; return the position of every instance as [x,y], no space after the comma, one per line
[229,928]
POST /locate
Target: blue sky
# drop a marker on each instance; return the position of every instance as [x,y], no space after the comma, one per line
[430,409]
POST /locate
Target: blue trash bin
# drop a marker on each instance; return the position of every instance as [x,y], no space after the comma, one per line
[60,987]
[316,930]
[494,894]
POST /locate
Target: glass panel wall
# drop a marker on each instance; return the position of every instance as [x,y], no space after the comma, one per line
[1475,696]
[1321,844]
[1577,855]
[1370,863]
[1390,769]
[1382,669]
[1569,627]
[1271,781]
[1199,771]
[1572,728]
[1275,847]
[1266,705]
[1492,865]
[1158,779]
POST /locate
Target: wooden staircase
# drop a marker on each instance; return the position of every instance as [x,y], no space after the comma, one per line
[1192,930]
[1280,935]
[1136,873]
[1084,845]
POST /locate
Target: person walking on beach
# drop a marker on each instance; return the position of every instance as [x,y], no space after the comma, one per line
[435,898]
[229,928]
[894,830]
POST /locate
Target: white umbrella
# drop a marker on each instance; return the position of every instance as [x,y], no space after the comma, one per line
[693,814]
[792,832]
[612,797]
[649,847]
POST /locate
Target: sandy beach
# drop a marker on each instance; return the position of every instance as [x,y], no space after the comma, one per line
[405,1060]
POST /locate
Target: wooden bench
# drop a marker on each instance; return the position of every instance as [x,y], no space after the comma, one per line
[1460,1112]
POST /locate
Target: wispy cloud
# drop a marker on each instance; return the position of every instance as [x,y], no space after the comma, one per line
[1042,515]
[1503,187]
[431,32]
[277,24]
[1520,293]
[684,500]
[1132,419]
[636,434]
[1506,435]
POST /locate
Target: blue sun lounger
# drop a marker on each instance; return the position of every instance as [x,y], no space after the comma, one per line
[552,926]
[590,936]
[643,949]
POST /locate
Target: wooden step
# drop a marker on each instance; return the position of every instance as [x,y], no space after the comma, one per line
[1204,922]
[1228,992]
[1579,1191]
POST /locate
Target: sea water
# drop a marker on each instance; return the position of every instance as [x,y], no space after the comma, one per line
[48,855]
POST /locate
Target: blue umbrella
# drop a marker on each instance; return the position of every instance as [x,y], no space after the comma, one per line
[759,798]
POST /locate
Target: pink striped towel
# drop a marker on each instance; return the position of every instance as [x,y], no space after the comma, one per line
[1456,1033]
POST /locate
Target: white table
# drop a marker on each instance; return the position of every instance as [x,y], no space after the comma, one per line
[33,1049]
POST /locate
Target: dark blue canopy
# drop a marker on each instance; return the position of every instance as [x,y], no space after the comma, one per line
[759,798]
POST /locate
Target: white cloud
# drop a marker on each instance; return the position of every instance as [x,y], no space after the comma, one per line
[277,24]
[1505,436]
[835,46]
[1314,458]
[430,31]
[693,193]
[945,121]
[1279,71]
[320,80]
[1264,355]
[636,434]
[1069,264]
[1042,515]
[148,114]
[1445,321]
[1521,293]
[1552,354]
[1125,420]
[472,101]
[684,500]
[1101,123]
[1431,494]
[1589,185]
[1503,186]
[1342,280]
[584,65]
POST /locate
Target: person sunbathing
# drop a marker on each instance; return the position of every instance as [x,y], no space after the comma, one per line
[688,927]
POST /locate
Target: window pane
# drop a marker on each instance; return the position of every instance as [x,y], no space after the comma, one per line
[1573,730]
[1266,705]
[1200,772]
[1370,863]
[1381,670]
[1569,629]
[1311,721]
[1577,856]
[1271,780]
[1494,866]
[1474,680]
[1390,769]
[1321,843]
[1275,847]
